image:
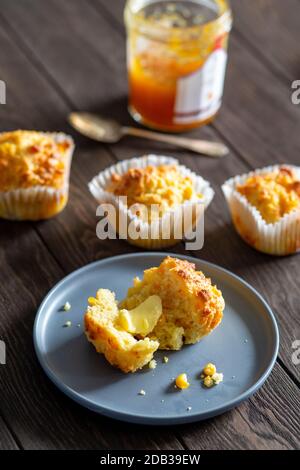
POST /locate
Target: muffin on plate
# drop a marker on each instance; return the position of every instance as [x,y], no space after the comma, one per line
[105,329]
[192,307]
[171,306]
[153,195]
[34,174]
[265,208]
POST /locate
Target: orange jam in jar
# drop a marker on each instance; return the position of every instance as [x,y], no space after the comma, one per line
[177,54]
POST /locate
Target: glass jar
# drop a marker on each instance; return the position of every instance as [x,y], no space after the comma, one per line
[176,55]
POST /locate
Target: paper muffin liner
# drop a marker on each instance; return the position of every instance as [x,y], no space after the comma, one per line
[98,188]
[281,238]
[38,202]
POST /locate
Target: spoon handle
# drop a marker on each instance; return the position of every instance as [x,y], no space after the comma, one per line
[204,147]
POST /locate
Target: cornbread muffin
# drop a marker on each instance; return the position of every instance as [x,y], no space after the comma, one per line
[173,304]
[265,208]
[158,202]
[34,174]
[192,306]
[273,194]
[163,185]
[104,331]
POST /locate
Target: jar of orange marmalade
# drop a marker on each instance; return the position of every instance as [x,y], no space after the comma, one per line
[177,54]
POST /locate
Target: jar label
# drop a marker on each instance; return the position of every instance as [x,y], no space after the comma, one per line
[199,95]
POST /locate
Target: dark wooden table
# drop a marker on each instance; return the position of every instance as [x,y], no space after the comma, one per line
[59,56]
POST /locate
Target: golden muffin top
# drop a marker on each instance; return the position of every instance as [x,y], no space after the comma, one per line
[31,158]
[273,194]
[192,305]
[162,185]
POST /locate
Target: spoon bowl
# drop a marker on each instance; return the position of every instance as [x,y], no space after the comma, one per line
[109,131]
[95,127]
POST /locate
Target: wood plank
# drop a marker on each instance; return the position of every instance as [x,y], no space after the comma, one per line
[74,230]
[208,167]
[246,261]
[41,416]
[264,130]
[271,29]
[257,117]
[257,418]
[38,413]
[269,280]
[87,94]
[7,442]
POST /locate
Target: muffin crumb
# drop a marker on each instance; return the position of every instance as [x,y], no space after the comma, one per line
[67,306]
[182,382]
[208,381]
[209,369]
[217,378]
[152,364]
[210,376]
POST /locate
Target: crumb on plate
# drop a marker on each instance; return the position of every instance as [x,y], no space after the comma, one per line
[210,376]
[209,369]
[152,364]
[67,306]
[217,378]
[182,381]
[208,381]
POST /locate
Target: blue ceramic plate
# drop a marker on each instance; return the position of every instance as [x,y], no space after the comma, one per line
[244,347]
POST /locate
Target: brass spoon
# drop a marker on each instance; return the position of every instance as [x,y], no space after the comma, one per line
[106,130]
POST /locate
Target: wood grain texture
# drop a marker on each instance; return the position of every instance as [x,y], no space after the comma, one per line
[271,29]
[264,272]
[40,416]
[257,117]
[38,413]
[79,62]
[262,126]
[74,230]
[7,441]
[255,424]
[261,120]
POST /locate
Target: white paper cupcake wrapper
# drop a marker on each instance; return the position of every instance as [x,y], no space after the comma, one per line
[99,184]
[28,203]
[280,238]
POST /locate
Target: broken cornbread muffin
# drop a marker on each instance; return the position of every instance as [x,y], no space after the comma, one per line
[191,306]
[108,329]
[173,305]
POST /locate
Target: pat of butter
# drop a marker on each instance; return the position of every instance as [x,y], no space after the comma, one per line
[142,319]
